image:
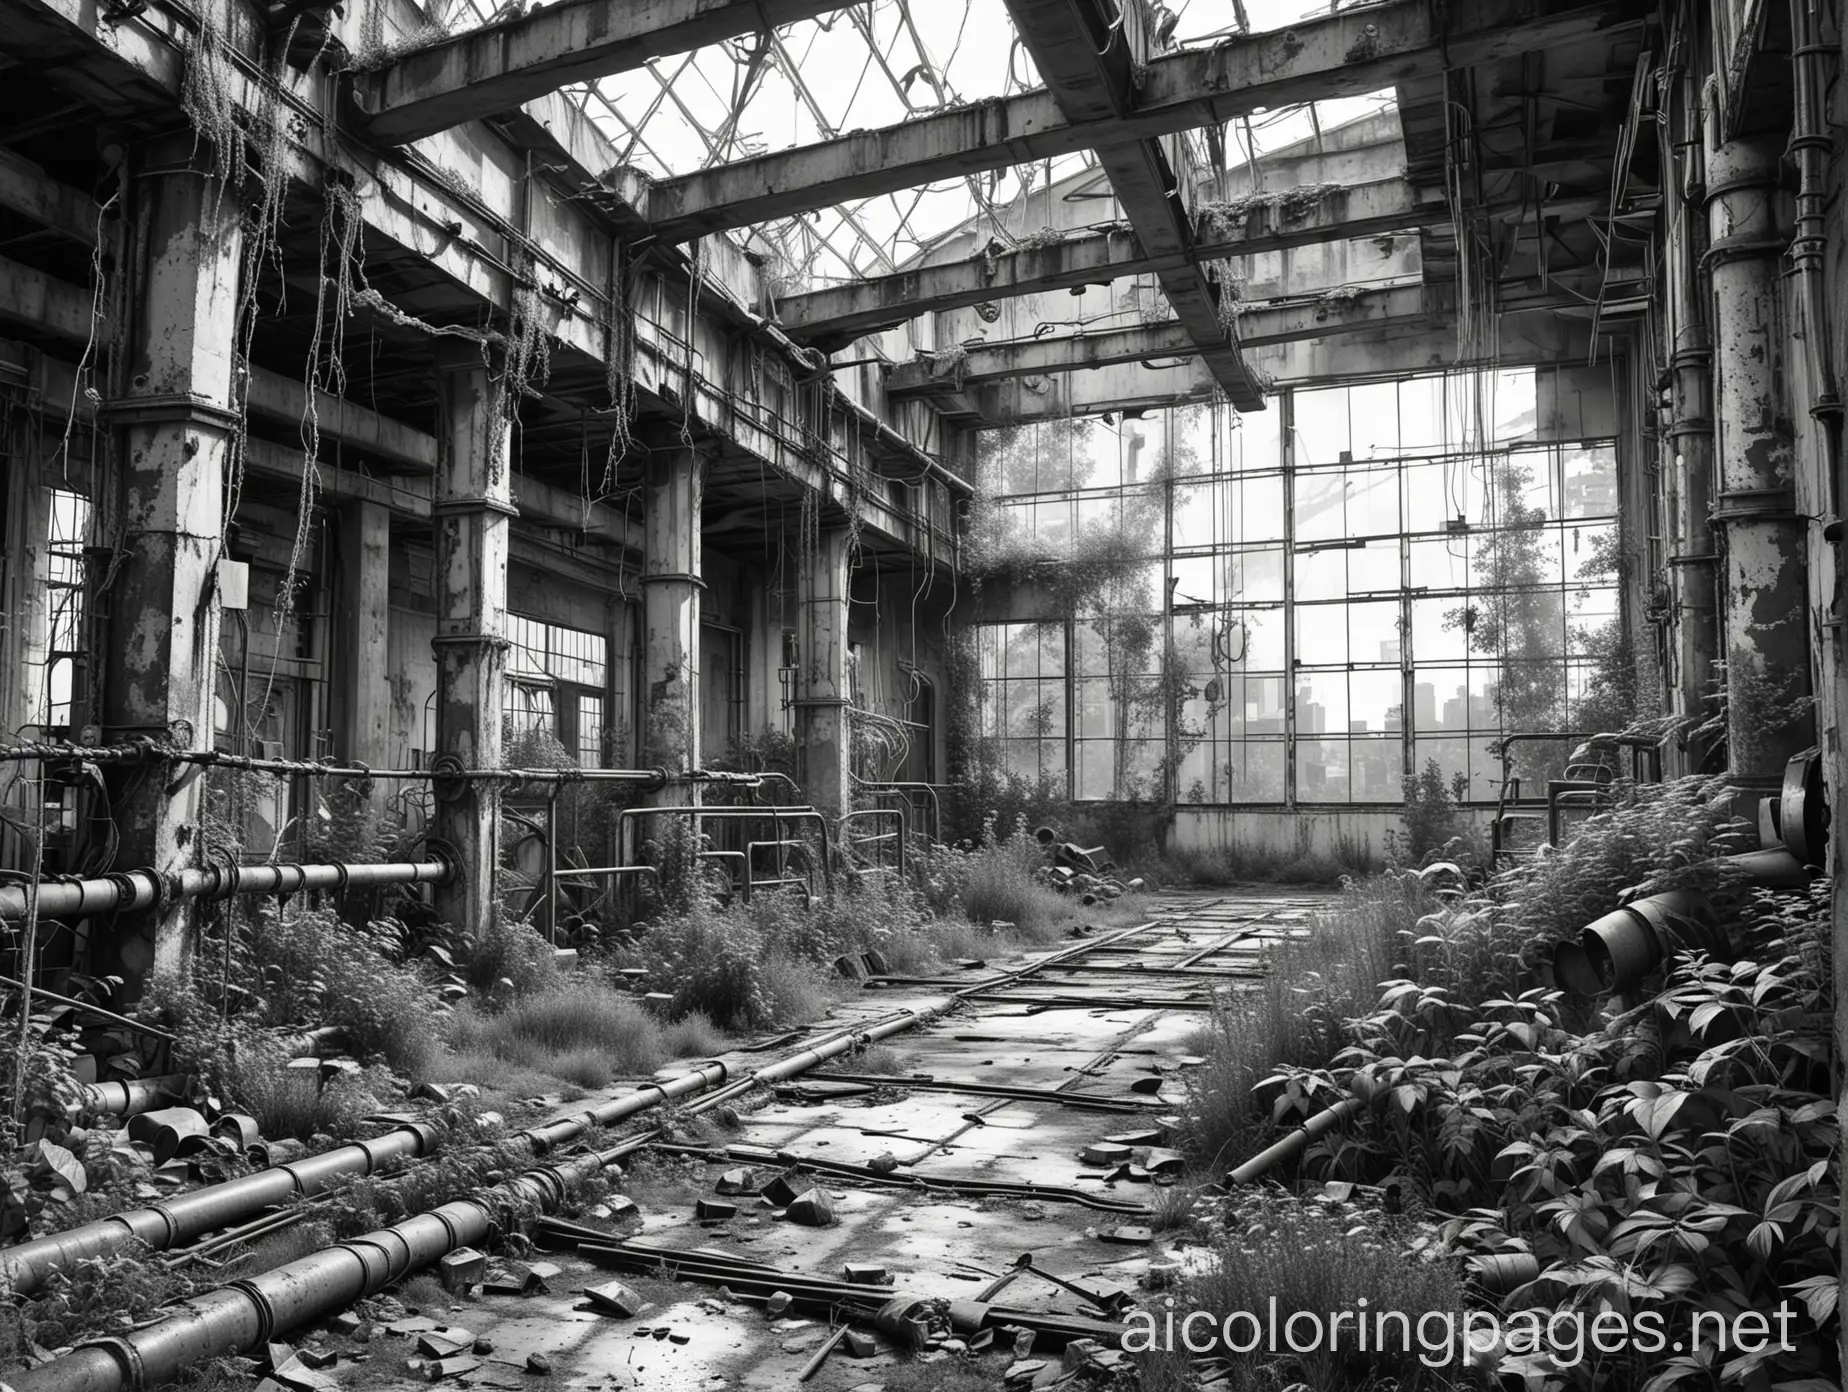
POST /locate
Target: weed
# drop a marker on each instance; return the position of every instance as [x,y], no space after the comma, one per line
[579,1028]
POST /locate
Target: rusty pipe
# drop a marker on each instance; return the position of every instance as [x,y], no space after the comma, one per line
[131,1097]
[250,1312]
[144,889]
[1316,1125]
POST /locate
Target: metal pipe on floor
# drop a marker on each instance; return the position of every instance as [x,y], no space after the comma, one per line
[133,1096]
[1271,1155]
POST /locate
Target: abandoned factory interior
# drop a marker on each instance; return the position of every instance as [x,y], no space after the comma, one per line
[921,695]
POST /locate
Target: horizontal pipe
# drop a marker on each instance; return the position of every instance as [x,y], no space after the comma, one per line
[143,889]
[1281,1150]
[26,1266]
[249,1312]
[133,1096]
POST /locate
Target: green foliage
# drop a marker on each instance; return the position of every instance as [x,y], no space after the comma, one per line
[299,967]
[581,1029]
[1317,1258]
[1432,823]
[1297,1013]
[291,1102]
[1678,1161]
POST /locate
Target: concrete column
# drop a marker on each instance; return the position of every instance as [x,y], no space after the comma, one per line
[671,588]
[1762,589]
[361,632]
[473,510]
[822,730]
[175,427]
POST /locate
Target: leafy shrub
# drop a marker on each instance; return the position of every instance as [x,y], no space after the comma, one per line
[285,1101]
[509,948]
[1679,1160]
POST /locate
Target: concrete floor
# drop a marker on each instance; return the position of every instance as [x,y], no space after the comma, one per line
[934,1246]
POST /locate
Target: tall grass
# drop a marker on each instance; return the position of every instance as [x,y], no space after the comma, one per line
[292,1101]
[1297,1013]
[582,1030]
[1318,1261]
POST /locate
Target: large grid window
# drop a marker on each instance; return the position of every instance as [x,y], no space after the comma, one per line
[1313,602]
[556,683]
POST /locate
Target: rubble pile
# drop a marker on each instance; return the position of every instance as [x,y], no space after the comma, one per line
[1087,872]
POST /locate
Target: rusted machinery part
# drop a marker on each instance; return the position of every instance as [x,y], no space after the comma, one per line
[146,889]
[1261,1163]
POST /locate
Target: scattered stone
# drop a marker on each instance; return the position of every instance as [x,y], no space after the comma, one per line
[439,1368]
[444,1343]
[614,1298]
[346,1324]
[297,1376]
[538,1363]
[778,1304]
[883,1164]
[1105,1153]
[1032,1212]
[1161,1275]
[736,1182]
[1078,1353]
[865,1274]
[1023,1342]
[1129,1236]
[781,1191]
[812,1210]
[318,1358]
[954,1346]
[483,1346]
[1023,1371]
[713,1211]
[857,1343]
[462,1268]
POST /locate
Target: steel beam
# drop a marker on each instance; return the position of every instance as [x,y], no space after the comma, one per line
[360,692]
[499,66]
[1088,58]
[159,667]
[473,505]
[1763,591]
[29,191]
[1321,317]
[1132,388]
[1346,54]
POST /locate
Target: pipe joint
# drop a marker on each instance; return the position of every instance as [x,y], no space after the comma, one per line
[127,1357]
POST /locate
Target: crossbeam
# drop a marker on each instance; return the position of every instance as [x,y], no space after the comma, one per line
[1526,339]
[843,313]
[1320,317]
[1350,53]
[29,191]
[499,66]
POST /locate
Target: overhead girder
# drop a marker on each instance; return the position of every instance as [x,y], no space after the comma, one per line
[1087,57]
[1278,323]
[1534,337]
[1349,53]
[843,313]
[499,66]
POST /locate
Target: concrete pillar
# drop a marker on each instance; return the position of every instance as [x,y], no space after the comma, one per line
[176,425]
[361,633]
[1762,589]
[473,510]
[671,588]
[822,730]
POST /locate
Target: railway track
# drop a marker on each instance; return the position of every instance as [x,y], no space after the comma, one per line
[960,1154]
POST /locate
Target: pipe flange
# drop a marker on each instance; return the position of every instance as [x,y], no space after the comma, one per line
[124,888]
[266,1311]
[343,878]
[127,1357]
[444,852]
[448,777]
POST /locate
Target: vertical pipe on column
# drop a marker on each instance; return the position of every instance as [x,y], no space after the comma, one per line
[177,422]
[1689,438]
[473,511]
[1763,599]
